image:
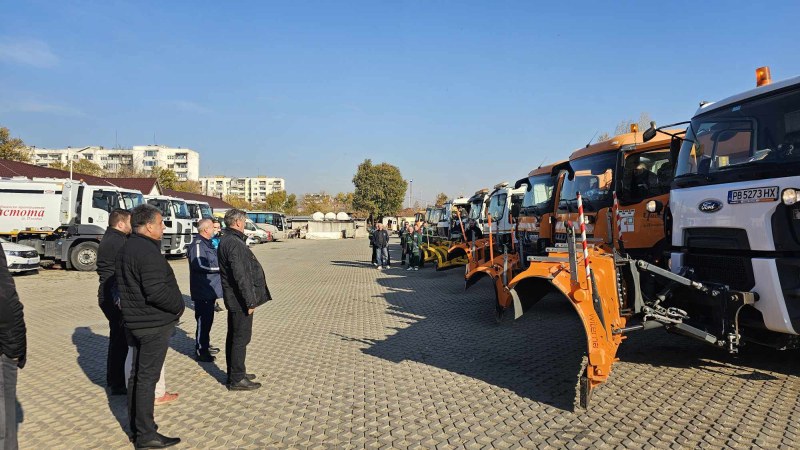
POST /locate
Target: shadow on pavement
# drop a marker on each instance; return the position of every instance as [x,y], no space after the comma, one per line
[92,349]
[183,341]
[538,356]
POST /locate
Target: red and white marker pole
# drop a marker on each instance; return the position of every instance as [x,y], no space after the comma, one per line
[586,262]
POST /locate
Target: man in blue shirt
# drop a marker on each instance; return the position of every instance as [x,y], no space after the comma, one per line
[205,287]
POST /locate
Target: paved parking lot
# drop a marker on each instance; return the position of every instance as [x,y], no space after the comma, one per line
[351,357]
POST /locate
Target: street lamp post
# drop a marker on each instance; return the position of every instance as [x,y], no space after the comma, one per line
[410,193]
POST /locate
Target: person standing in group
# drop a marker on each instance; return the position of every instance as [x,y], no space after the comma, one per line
[372,230]
[381,241]
[13,353]
[205,287]
[215,243]
[244,287]
[119,227]
[151,304]
[409,254]
[403,243]
[416,248]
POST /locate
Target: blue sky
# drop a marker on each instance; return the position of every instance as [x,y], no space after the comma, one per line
[459,95]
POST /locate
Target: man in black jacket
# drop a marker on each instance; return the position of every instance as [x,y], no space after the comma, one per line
[244,287]
[13,348]
[381,240]
[119,227]
[151,304]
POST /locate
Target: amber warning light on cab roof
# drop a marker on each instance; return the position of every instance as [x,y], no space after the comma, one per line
[763,77]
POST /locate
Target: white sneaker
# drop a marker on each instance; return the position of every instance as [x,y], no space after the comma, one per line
[388,267]
[410,268]
[380,267]
[416,268]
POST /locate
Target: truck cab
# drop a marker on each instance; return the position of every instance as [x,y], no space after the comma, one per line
[199,210]
[639,173]
[449,226]
[735,206]
[535,219]
[177,222]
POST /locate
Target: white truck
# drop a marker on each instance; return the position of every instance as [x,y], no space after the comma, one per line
[501,204]
[735,210]
[448,226]
[62,219]
[178,222]
[199,210]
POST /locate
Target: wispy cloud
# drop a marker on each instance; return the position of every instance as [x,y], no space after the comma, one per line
[30,52]
[35,106]
[188,107]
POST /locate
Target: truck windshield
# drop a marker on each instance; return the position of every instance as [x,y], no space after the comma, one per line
[497,206]
[131,200]
[181,210]
[476,209]
[647,174]
[538,198]
[763,132]
[593,179]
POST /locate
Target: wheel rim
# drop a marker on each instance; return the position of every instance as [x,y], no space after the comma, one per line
[87,257]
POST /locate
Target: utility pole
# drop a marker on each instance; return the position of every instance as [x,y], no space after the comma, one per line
[410,193]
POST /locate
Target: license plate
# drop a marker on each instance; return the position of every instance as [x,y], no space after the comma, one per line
[33,261]
[753,195]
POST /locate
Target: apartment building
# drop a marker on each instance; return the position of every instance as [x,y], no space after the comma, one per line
[183,161]
[251,189]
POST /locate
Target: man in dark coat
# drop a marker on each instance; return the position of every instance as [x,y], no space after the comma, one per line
[205,286]
[151,304]
[244,287]
[119,227]
[381,240]
[13,351]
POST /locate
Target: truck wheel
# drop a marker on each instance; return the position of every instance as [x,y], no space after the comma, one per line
[84,256]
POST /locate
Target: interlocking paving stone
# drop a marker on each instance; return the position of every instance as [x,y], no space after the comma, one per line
[351,357]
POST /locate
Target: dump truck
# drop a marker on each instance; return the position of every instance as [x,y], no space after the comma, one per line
[62,219]
[732,219]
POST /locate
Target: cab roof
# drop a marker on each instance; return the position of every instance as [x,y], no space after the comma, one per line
[623,140]
[758,91]
[544,170]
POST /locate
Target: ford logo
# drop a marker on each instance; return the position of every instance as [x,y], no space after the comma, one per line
[710,206]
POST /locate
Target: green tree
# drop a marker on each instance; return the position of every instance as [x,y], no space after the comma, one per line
[275,201]
[290,205]
[189,186]
[379,189]
[321,202]
[441,199]
[12,148]
[167,178]
[237,202]
[343,201]
[83,166]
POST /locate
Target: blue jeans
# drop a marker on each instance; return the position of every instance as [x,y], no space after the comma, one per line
[383,256]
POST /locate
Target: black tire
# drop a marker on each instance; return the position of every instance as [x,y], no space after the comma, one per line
[84,256]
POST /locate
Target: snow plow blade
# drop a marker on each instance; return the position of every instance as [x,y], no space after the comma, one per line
[595,300]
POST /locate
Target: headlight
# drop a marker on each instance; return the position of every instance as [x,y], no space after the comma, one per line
[651,206]
[789,196]
[14,253]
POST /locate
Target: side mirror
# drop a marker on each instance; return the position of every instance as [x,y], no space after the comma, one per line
[650,133]
[675,148]
[654,206]
[515,208]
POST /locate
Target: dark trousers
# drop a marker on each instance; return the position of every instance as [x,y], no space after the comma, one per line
[374,255]
[117,345]
[204,314]
[240,330]
[8,403]
[149,352]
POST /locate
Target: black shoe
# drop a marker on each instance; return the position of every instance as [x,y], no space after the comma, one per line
[160,441]
[250,376]
[122,390]
[205,357]
[213,350]
[217,308]
[244,385]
